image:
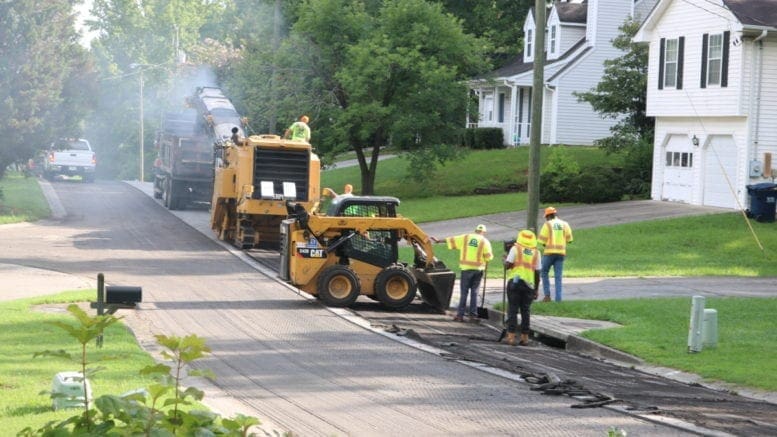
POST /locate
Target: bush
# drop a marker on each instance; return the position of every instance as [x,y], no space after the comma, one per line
[484,138]
[597,185]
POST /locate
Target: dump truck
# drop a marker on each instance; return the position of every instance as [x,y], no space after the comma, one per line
[253,181]
[183,169]
[353,250]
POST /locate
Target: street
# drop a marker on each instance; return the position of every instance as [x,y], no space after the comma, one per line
[306,369]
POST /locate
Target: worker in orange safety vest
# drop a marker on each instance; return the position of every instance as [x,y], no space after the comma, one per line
[555,234]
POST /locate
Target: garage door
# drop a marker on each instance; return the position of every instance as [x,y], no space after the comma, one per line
[720,166]
[678,170]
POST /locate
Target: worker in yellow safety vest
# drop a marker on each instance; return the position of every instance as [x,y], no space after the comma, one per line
[474,254]
[523,268]
[555,234]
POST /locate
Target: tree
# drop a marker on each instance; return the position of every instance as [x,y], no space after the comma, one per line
[379,74]
[622,93]
[499,21]
[152,34]
[44,77]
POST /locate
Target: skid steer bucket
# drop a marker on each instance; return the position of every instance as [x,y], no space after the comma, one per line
[435,285]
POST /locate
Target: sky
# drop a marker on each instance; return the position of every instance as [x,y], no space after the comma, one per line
[82,11]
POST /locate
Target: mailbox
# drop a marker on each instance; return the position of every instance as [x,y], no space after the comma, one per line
[123,295]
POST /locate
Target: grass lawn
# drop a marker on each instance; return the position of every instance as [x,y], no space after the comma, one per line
[657,331]
[22,377]
[21,199]
[707,245]
[500,168]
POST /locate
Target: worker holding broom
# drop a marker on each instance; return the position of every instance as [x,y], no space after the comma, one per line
[523,264]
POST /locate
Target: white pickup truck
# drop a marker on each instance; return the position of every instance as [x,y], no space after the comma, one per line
[70,157]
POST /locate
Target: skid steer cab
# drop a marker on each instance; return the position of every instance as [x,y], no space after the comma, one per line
[353,251]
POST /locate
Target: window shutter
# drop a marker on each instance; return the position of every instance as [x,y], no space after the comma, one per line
[680,54]
[704,42]
[724,66]
[661,63]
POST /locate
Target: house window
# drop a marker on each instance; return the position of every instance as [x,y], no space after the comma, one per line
[679,159]
[552,39]
[528,42]
[670,63]
[714,59]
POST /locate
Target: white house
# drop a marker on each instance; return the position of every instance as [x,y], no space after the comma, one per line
[578,39]
[712,88]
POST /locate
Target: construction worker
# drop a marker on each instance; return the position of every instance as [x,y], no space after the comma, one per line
[299,130]
[523,269]
[474,254]
[555,234]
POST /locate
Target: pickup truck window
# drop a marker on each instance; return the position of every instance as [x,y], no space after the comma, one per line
[71,145]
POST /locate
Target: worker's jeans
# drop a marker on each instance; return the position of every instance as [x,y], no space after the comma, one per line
[470,282]
[557,262]
[519,295]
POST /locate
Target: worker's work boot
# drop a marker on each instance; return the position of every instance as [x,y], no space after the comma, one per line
[546,298]
[524,339]
[511,338]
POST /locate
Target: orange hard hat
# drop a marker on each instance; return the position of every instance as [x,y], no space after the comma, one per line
[304,119]
[550,210]
[527,238]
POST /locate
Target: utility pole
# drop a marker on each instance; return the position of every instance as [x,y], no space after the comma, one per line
[535,134]
[276,36]
[142,146]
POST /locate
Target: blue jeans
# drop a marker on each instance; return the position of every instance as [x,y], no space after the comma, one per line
[557,262]
[469,284]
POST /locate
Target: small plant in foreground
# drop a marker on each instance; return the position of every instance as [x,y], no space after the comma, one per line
[155,410]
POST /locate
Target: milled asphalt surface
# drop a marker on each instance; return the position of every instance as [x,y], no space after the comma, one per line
[19,281]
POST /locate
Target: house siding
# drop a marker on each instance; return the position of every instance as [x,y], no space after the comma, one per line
[570,35]
[692,100]
[642,8]
[581,127]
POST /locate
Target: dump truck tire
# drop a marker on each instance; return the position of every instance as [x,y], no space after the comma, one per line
[395,286]
[338,286]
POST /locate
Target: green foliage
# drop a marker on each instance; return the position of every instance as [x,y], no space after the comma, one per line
[562,179]
[484,138]
[498,21]
[45,78]
[370,74]
[156,410]
[657,331]
[556,178]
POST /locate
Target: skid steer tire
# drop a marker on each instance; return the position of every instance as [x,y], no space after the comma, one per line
[395,286]
[338,286]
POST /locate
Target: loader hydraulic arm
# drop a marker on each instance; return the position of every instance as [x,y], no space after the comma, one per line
[333,227]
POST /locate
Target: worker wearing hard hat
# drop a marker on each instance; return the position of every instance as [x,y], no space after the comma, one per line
[523,269]
[555,234]
[474,254]
[299,130]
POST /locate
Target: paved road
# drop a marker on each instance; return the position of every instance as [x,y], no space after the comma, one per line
[279,356]
[640,389]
